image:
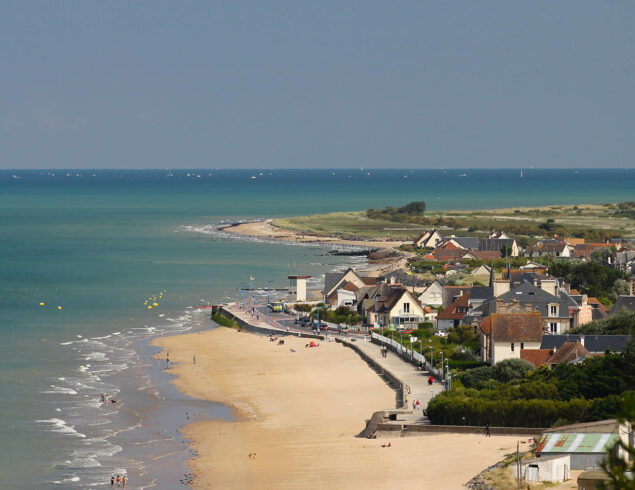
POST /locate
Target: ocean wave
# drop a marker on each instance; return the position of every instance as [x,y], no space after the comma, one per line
[58,390]
[96,356]
[60,426]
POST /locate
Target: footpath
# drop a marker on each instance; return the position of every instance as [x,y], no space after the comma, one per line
[414,383]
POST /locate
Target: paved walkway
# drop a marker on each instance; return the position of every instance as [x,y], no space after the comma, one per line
[407,374]
[403,371]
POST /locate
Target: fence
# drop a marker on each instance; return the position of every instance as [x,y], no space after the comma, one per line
[409,355]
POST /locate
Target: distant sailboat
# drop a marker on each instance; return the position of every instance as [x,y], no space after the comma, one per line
[521,173]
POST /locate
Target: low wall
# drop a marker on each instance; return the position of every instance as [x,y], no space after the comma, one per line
[384,373]
[461,429]
[264,330]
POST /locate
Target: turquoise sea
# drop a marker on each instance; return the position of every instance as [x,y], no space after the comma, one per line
[98,243]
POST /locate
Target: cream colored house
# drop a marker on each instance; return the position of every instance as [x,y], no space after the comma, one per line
[433,294]
[504,335]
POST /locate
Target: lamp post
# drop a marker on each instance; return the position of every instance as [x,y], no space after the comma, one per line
[441,365]
[267,305]
[448,374]
[431,355]
[317,309]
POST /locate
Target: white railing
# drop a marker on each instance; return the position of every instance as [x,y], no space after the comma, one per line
[400,349]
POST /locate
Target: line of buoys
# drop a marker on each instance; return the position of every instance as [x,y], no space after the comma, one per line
[59,307]
[42,303]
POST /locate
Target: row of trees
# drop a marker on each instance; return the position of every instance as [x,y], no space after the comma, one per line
[513,393]
[591,278]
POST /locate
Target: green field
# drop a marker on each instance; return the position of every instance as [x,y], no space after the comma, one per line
[581,220]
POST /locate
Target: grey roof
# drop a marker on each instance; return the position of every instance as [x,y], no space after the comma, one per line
[594,343]
[402,278]
[549,241]
[481,292]
[494,244]
[331,279]
[597,314]
[468,242]
[540,299]
[624,257]
[627,302]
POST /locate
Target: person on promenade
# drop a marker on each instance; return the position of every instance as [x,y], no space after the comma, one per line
[430,381]
[487,431]
[112,481]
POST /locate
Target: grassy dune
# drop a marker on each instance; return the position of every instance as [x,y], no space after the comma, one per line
[356,224]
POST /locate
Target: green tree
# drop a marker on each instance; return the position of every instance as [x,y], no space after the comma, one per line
[511,369]
[621,467]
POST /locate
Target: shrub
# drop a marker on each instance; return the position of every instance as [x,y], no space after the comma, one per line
[511,369]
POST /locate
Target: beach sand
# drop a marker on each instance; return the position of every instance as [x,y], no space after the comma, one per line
[300,413]
[264,229]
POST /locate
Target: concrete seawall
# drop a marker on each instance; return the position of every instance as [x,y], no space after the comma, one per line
[264,330]
[392,379]
[461,429]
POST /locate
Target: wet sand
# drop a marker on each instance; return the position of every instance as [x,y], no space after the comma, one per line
[299,412]
[264,229]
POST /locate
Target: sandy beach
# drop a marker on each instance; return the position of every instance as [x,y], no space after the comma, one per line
[264,229]
[299,410]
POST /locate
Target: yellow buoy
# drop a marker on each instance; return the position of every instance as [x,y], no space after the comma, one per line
[155,304]
[41,304]
[149,307]
[59,307]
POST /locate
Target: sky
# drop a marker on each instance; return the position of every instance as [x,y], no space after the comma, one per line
[299,84]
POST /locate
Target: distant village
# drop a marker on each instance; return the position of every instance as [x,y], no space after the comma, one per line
[519,312]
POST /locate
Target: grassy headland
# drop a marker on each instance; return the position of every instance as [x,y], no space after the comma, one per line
[594,222]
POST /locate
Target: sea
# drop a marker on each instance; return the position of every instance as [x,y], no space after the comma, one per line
[85,252]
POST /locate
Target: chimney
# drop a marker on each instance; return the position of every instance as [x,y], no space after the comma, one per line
[392,280]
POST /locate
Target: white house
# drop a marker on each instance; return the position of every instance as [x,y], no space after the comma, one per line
[429,239]
[395,307]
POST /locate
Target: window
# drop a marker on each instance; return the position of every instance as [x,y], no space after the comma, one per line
[406,307]
[522,345]
[512,347]
[553,327]
[553,310]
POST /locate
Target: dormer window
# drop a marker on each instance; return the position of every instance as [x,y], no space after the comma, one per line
[553,310]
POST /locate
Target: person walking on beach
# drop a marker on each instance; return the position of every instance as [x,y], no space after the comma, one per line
[487,431]
[112,481]
[118,480]
[194,358]
[124,480]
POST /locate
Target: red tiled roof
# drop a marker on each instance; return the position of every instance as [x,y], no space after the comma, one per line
[569,351]
[371,281]
[452,313]
[516,327]
[600,306]
[536,356]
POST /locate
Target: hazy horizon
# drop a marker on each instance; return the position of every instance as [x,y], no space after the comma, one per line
[288,85]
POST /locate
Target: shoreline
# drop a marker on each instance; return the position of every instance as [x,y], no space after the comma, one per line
[301,417]
[265,230]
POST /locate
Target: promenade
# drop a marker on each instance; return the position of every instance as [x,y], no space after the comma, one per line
[414,383]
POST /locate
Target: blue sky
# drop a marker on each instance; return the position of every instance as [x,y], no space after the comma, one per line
[317,84]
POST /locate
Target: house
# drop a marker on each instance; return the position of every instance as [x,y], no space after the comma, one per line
[595,344]
[568,353]
[553,469]
[557,250]
[534,267]
[391,305]
[501,235]
[586,443]
[335,280]
[478,294]
[433,294]
[537,357]
[505,335]
[623,302]
[453,315]
[584,250]
[345,296]
[429,239]
[482,271]
[552,304]
[625,261]
[463,242]
[498,244]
